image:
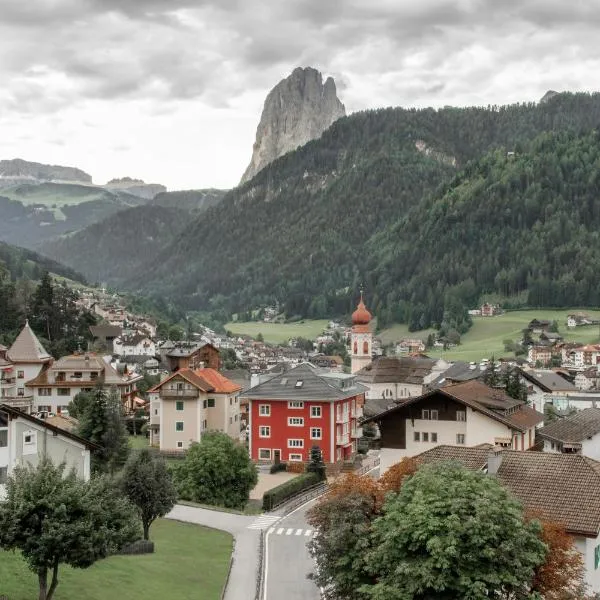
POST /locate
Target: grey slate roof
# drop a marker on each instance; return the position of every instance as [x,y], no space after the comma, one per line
[390,369]
[573,429]
[458,371]
[548,381]
[27,348]
[314,386]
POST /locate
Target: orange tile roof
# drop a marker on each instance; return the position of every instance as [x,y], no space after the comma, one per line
[190,376]
[219,382]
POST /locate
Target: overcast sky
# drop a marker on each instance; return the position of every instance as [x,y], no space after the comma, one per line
[171,91]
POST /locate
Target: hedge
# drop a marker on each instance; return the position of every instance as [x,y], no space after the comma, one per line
[279,494]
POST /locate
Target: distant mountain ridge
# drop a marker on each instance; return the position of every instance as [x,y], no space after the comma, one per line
[304,230]
[17,170]
[193,200]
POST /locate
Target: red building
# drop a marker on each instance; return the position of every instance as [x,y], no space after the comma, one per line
[302,408]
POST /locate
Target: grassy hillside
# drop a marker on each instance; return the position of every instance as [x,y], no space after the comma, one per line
[486,336]
[279,333]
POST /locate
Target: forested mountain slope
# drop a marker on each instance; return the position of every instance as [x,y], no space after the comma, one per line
[113,249]
[300,231]
[504,225]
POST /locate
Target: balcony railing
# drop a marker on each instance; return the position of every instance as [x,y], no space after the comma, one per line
[342,417]
[20,402]
[342,439]
[175,393]
[357,412]
[357,433]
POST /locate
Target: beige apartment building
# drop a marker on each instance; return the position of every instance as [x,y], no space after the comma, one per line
[189,403]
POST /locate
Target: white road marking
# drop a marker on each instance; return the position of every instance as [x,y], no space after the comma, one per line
[264,521]
[289,532]
[298,531]
[280,531]
[308,532]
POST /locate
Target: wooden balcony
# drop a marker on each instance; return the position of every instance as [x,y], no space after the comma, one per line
[166,392]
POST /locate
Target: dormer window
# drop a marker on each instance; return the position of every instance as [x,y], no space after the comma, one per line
[299,383]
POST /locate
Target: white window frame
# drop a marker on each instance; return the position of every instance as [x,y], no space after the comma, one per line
[425,436]
[463,416]
[460,435]
[261,410]
[316,408]
[295,421]
[180,444]
[425,411]
[268,450]
[294,457]
[433,414]
[295,404]
[320,429]
[416,436]
[291,443]
[432,434]
[33,438]
[264,427]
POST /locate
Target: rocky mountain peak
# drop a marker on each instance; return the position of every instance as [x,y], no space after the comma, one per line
[297,110]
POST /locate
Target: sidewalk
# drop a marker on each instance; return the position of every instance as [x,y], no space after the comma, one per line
[242,579]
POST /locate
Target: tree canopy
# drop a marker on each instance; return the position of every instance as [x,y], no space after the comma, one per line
[52,517]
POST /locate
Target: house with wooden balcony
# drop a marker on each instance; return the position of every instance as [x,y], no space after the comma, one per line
[303,407]
[24,360]
[189,403]
[57,384]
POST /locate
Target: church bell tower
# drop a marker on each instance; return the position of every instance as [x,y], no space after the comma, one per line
[362,338]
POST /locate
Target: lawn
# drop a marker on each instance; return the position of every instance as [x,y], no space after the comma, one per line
[189,562]
[138,442]
[486,336]
[278,333]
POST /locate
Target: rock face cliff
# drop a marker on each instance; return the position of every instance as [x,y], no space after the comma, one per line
[298,109]
[136,187]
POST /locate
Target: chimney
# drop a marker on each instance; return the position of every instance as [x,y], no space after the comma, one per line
[494,461]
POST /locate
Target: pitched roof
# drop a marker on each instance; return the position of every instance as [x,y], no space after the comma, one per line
[190,377]
[104,331]
[305,382]
[389,369]
[489,401]
[573,429]
[548,381]
[219,383]
[27,348]
[562,487]
[458,371]
[16,413]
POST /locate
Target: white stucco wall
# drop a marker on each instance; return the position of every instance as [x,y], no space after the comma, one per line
[398,390]
[483,430]
[446,434]
[591,447]
[587,546]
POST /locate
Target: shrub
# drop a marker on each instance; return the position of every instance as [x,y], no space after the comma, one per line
[139,547]
[279,494]
[280,466]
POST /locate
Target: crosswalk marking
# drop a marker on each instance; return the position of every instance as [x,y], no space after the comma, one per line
[264,522]
[294,532]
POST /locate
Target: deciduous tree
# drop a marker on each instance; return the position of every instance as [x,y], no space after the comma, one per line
[54,518]
[148,484]
[453,533]
[217,471]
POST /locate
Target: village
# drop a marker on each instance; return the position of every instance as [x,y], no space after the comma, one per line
[532,421]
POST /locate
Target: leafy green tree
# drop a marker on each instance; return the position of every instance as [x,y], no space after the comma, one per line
[147,482]
[260,337]
[175,333]
[80,404]
[103,424]
[218,471]
[453,533]
[52,517]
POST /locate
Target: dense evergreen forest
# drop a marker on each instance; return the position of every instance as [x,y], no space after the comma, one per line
[515,226]
[340,211]
[113,249]
[27,291]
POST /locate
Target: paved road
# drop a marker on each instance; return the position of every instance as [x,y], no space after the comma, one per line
[287,560]
[245,530]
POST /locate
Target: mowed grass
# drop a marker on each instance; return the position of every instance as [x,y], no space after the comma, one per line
[278,333]
[486,336]
[189,562]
